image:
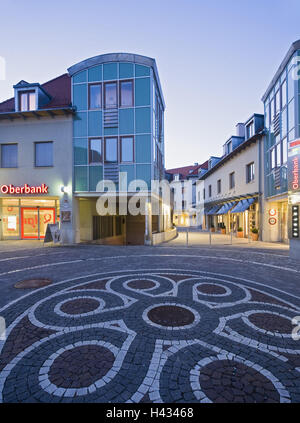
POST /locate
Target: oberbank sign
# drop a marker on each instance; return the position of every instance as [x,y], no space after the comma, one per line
[25,189]
[294,166]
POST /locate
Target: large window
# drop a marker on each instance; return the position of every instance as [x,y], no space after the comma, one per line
[110,95]
[95,150]
[232,180]
[95,96]
[250,170]
[126,93]
[127,149]
[44,154]
[9,155]
[111,150]
[27,101]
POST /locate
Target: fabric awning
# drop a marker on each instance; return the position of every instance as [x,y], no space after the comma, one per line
[213,210]
[226,207]
[207,209]
[243,205]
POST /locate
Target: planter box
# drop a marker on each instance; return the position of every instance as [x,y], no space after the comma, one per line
[223,231]
[240,234]
[213,229]
[254,237]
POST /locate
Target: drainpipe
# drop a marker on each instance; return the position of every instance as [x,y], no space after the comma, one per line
[260,176]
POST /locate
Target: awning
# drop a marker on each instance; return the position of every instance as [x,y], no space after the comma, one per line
[213,210]
[206,209]
[226,207]
[243,205]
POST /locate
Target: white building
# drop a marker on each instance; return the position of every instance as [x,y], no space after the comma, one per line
[229,194]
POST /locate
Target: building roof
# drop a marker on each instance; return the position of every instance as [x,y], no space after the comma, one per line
[58,89]
[187,171]
[118,57]
[294,47]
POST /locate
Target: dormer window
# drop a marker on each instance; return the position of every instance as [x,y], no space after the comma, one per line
[27,101]
[250,130]
[229,147]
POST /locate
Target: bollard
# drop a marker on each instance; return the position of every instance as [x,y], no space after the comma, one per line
[187,236]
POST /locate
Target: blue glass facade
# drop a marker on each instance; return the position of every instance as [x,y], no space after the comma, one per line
[130,107]
[281,124]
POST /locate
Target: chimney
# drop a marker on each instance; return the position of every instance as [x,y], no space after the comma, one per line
[196,164]
[240,130]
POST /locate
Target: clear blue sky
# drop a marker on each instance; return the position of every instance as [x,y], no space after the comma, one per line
[215,58]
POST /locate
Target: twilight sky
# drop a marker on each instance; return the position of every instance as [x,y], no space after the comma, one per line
[215,58]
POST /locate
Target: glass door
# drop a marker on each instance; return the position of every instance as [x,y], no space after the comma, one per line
[34,221]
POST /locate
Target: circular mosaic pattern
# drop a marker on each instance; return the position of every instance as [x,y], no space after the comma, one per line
[151,336]
[81,366]
[171,315]
[141,284]
[32,283]
[207,288]
[80,306]
[228,381]
[271,322]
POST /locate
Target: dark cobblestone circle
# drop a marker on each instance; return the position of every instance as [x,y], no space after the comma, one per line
[80,306]
[271,322]
[229,381]
[209,288]
[170,315]
[141,284]
[81,366]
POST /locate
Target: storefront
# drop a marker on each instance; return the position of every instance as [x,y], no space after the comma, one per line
[27,218]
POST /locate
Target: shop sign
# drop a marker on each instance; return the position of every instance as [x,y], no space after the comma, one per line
[25,189]
[272,221]
[294,166]
[272,212]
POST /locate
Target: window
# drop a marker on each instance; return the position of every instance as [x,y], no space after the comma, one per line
[126,93]
[278,155]
[283,94]
[284,151]
[183,205]
[250,130]
[232,180]
[9,155]
[111,150]
[95,150]
[272,158]
[209,191]
[95,96]
[27,101]
[219,186]
[199,196]
[44,154]
[229,147]
[127,149]
[110,95]
[277,102]
[250,172]
[203,193]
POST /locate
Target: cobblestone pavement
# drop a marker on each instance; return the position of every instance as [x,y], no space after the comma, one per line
[142,324]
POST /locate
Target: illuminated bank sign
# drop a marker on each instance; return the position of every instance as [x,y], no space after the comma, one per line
[294,166]
[25,189]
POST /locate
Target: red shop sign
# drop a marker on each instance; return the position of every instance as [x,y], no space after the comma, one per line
[272,221]
[25,189]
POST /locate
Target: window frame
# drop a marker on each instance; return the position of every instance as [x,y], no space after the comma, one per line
[231,179]
[120,92]
[133,148]
[89,96]
[1,154]
[89,151]
[104,150]
[27,92]
[104,95]
[43,142]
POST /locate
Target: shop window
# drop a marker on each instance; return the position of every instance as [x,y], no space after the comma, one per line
[126,93]
[127,149]
[9,155]
[27,101]
[44,154]
[95,96]
[250,170]
[95,150]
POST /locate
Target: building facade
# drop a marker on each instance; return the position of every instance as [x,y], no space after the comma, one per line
[103,121]
[183,182]
[281,107]
[230,192]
